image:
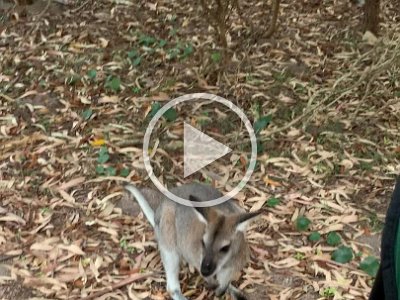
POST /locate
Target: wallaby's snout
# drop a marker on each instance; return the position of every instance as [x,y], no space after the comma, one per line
[207,266]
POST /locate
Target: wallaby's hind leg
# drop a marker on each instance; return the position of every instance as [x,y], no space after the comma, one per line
[170,261]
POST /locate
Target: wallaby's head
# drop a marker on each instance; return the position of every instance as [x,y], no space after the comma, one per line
[223,240]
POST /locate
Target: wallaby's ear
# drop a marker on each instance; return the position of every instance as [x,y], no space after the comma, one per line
[201,212]
[244,220]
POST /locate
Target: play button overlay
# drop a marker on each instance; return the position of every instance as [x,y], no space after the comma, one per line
[200,150]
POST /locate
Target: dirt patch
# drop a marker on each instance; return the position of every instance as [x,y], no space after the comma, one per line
[15,290]
[259,292]
[32,8]
[372,243]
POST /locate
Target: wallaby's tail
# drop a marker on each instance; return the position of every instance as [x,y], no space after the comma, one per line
[144,204]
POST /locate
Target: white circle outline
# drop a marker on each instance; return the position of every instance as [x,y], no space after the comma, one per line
[193,97]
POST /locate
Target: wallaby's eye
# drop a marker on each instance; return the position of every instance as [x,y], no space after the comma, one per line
[225,249]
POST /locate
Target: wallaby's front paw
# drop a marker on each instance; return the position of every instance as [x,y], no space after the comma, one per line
[220,291]
[239,297]
[236,294]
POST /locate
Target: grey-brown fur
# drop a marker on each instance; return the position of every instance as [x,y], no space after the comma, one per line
[210,239]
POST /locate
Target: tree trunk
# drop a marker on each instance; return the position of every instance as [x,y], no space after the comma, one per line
[275,13]
[371,15]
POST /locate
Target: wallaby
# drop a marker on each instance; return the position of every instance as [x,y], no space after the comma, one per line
[211,239]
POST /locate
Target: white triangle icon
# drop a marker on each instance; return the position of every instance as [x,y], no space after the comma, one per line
[199,150]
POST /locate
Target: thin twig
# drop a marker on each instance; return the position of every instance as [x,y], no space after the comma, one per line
[40,15]
[376,71]
[8,257]
[126,281]
[313,109]
[9,99]
[80,7]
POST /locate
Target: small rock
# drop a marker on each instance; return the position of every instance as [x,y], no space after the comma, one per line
[370,38]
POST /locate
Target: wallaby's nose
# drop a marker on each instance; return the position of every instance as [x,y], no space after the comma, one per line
[207,268]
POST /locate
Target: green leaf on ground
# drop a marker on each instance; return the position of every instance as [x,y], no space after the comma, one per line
[187,50]
[155,107]
[103,155]
[272,202]
[342,254]
[137,61]
[302,223]
[147,40]
[216,57]
[91,74]
[124,172]
[261,123]
[100,169]
[133,54]
[110,171]
[314,236]
[171,114]
[113,83]
[162,43]
[333,239]
[370,265]
[87,113]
